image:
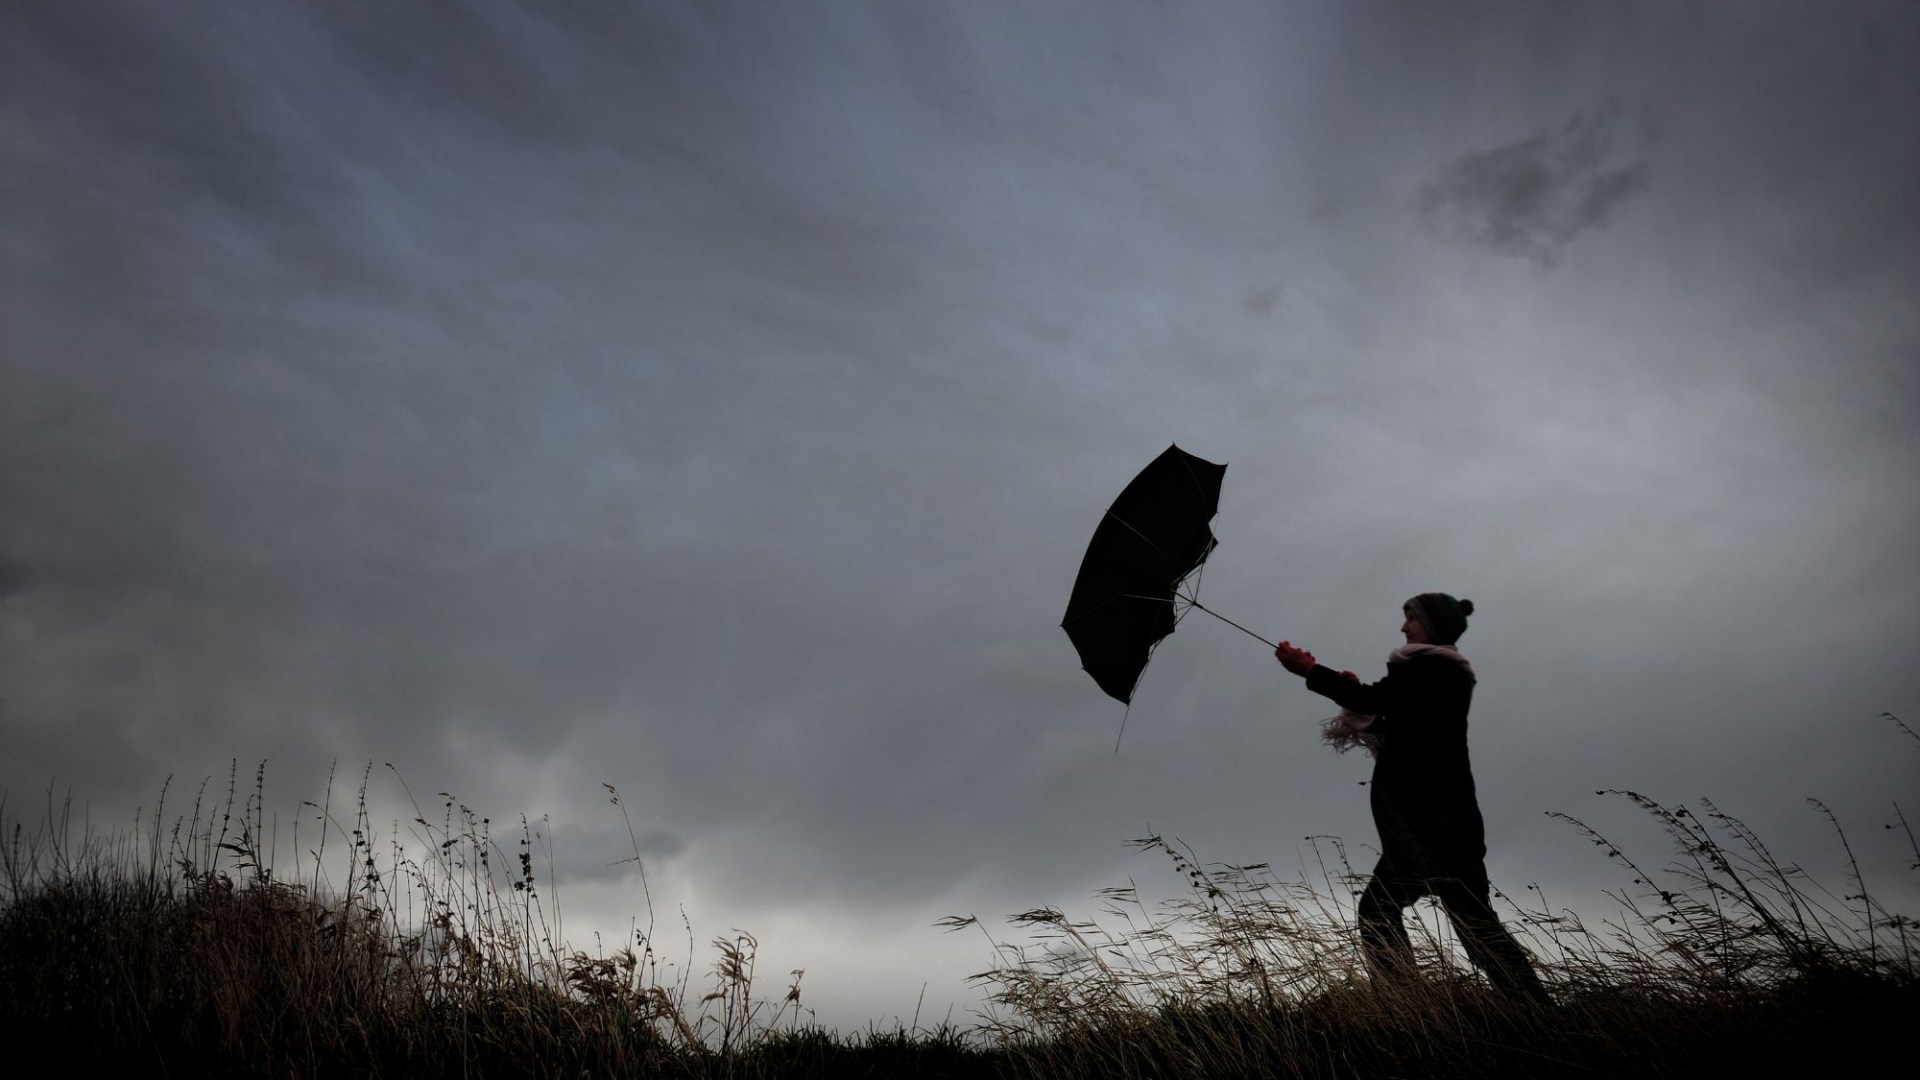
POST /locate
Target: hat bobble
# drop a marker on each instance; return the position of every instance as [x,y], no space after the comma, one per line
[1444,618]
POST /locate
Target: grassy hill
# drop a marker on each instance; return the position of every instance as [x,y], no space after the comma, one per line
[174,949]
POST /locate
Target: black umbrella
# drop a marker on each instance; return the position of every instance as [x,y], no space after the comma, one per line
[1153,537]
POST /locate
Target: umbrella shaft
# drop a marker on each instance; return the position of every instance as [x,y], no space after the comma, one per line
[1231,623]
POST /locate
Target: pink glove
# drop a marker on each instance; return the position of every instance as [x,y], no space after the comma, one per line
[1298,661]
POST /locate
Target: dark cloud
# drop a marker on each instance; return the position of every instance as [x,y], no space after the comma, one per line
[605,852]
[716,402]
[485,61]
[146,146]
[15,577]
[1533,197]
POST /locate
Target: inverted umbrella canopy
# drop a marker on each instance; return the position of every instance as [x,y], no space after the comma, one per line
[1154,535]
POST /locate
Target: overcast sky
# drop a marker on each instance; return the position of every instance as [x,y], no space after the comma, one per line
[715,400]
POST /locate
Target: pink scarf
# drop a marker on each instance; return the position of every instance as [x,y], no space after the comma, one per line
[1351,729]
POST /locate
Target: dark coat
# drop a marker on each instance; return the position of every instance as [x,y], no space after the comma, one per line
[1422,793]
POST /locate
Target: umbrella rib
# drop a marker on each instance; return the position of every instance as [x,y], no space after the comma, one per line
[1186,462]
[1138,533]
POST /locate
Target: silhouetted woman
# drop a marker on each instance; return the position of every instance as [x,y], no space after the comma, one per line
[1432,840]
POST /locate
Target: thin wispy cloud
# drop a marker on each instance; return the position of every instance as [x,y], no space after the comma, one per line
[1534,197]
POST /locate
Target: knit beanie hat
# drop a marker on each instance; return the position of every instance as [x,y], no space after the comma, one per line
[1444,617]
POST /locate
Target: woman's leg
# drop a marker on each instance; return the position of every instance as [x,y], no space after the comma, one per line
[1383,929]
[1487,942]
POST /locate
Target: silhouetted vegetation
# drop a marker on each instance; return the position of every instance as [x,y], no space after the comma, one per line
[175,948]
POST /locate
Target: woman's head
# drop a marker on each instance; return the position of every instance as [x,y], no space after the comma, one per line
[1435,618]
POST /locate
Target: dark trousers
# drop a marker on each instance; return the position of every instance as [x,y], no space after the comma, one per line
[1389,952]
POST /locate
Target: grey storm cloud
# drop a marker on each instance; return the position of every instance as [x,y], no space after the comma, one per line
[14,577]
[1533,197]
[716,399]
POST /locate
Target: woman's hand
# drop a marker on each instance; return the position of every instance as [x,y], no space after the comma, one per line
[1298,661]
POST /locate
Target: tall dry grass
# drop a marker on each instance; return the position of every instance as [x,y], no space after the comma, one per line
[178,947]
[1726,959]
